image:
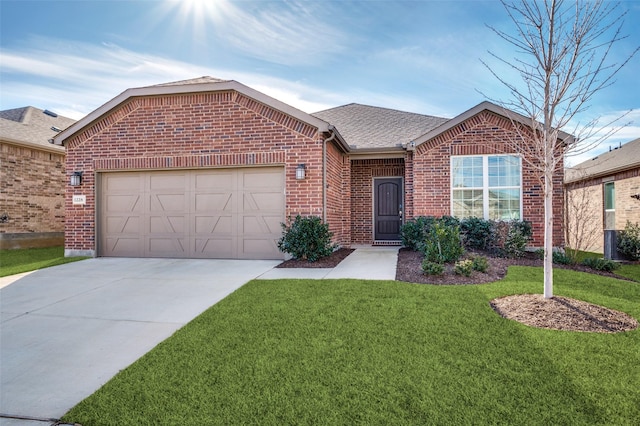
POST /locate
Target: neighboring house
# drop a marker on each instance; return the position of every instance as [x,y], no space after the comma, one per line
[211,168]
[32,178]
[602,194]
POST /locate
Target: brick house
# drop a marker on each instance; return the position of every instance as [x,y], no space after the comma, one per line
[210,168]
[32,183]
[602,194]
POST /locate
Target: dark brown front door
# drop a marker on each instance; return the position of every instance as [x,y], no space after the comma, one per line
[387,209]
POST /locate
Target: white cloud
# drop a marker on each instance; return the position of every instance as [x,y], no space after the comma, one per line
[75,78]
[621,131]
[282,32]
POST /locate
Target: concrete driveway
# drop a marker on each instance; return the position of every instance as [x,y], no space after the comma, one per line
[68,329]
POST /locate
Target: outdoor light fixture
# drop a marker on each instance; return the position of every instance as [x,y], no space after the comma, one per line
[76,179]
[300,171]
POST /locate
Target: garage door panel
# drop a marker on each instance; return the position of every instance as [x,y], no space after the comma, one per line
[263,202]
[262,178]
[166,225]
[166,181]
[267,226]
[218,248]
[213,202]
[219,225]
[123,225]
[230,213]
[124,246]
[166,247]
[256,248]
[122,182]
[207,181]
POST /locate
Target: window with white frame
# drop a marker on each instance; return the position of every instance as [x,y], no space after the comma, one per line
[486,186]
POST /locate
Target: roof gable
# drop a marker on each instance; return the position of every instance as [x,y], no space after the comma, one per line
[483,106]
[194,86]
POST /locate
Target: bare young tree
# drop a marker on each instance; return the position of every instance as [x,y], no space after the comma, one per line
[564,57]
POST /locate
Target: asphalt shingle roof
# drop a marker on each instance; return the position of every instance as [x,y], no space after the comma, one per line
[198,80]
[32,126]
[625,157]
[368,127]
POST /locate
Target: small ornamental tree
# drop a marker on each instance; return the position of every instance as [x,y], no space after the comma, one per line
[563,56]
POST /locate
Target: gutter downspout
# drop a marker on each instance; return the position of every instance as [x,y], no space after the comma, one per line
[324,172]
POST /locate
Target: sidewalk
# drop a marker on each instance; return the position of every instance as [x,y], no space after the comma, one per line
[365,263]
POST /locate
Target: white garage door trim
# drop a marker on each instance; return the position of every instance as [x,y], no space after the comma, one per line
[204,213]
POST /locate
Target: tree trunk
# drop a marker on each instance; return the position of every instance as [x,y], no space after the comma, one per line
[548,236]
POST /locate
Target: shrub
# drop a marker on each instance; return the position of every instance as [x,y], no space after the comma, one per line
[463,267]
[515,243]
[561,258]
[600,264]
[450,221]
[306,238]
[443,243]
[480,263]
[512,237]
[629,241]
[414,232]
[477,233]
[432,268]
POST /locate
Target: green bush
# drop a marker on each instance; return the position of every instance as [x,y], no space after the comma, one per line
[512,238]
[415,231]
[306,238]
[629,241]
[477,233]
[450,221]
[432,268]
[463,267]
[600,264]
[561,258]
[443,243]
[480,263]
[516,242]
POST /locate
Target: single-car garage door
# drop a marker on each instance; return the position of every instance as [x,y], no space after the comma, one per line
[213,213]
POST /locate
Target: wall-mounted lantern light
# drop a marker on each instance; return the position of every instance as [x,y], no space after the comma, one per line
[76,179]
[300,172]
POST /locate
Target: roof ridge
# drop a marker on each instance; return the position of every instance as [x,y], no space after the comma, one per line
[379,108]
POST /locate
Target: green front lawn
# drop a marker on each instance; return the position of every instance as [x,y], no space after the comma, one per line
[371,352]
[25,260]
[629,271]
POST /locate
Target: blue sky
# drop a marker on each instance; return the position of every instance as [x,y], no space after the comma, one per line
[419,56]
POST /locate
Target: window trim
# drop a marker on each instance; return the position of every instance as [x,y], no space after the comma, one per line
[485,182]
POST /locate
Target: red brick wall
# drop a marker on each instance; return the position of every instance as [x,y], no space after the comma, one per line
[32,188]
[221,129]
[338,195]
[362,174]
[485,133]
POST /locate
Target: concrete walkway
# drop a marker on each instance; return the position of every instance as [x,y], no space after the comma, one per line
[68,329]
[366,263]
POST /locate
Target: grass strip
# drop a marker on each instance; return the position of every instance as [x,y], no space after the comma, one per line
[381,352]
[25,260]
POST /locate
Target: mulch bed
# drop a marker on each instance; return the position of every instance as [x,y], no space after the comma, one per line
[330,261]
[562,313]
[410,269]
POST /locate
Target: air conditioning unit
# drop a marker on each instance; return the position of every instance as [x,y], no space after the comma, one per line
[611,245]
